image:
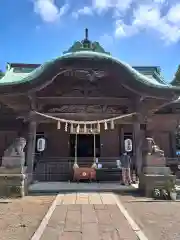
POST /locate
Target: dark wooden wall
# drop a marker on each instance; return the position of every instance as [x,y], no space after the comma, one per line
[58,140]
[162,129]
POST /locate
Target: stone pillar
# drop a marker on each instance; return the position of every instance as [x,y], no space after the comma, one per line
[31,144]
[137,144]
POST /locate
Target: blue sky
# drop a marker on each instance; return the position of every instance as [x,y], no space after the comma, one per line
[140,32]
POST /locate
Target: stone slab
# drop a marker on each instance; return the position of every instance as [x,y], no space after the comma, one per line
[88,221]
[70,236]
[157,170]
[90,231]
[124,231]
[13,185]
[73,221]
[103,216]
[95,198]
[14,170]
[88,214]
[69,199]
[59,216]
[52,233]
[82,198]
[107,198]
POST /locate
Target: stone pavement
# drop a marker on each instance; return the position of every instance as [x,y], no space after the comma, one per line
[85,216]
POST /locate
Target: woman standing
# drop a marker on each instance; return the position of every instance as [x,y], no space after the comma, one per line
[126,168]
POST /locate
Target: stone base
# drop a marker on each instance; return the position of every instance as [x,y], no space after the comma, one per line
[147,182]
[153,161]
[15,161]
[157,170]
[13,182]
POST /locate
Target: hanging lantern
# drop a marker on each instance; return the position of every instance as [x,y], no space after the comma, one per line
[41,144]
[72,128]
[85,128]
[98,127]
[66,127]
[78,128]
[58,125]
[105,126]
[128,145]
[112,124]
[91,128]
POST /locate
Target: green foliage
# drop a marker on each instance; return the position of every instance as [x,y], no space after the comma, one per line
[176,80]
[1,74]
[170,186]
[165,192]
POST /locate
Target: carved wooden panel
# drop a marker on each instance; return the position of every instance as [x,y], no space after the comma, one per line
[72,88]
[75,92]
[85,89]
[85,109]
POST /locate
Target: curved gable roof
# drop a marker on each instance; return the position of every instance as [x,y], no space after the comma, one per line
[22,83]
[13,78]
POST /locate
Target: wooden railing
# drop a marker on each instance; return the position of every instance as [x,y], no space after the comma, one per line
[173,161]
[61,168]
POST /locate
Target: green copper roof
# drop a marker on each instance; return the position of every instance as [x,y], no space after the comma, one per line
[86,45]
[83,49]
[153,72]
[12,78]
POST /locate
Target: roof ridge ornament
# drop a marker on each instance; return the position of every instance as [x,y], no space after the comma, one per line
[86,33]
[86,45]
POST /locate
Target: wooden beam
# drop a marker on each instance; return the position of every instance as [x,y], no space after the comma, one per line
[83,100]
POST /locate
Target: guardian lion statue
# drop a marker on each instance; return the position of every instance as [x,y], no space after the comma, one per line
[14,155]
[152,154]
[153,149]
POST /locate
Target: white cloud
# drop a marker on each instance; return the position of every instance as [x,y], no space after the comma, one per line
[83,11]
[117,5]
[49,11]
[174,14]
[146,15]
[124,30]
[160,1]
[102,6]
[149,17]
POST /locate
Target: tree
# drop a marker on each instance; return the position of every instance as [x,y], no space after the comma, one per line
[176,80]
[1,74]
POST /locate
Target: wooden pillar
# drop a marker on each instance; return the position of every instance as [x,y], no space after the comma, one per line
[137,144]
[31,144]
[121,140]
[172,143]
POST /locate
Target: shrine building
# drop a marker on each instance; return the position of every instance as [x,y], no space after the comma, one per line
[83,108]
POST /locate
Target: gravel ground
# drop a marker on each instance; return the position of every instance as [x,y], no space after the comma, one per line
[158,220]
[19,218]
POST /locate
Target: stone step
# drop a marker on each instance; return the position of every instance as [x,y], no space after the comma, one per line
[58,187]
